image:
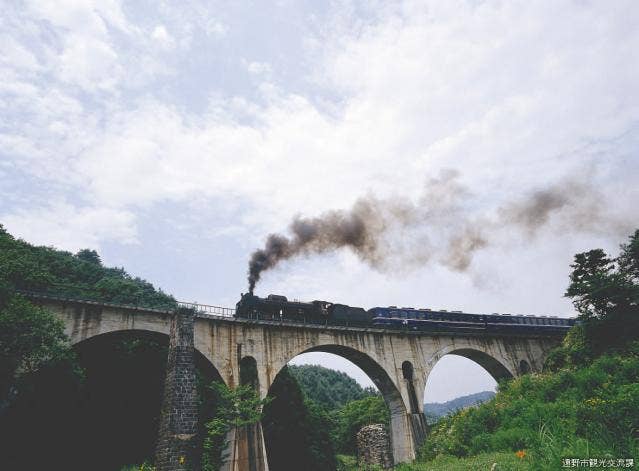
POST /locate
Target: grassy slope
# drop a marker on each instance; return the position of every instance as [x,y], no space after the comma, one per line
[586,412]
[502,461]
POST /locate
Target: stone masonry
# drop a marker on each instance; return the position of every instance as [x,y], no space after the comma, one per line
[178,423]
[373,447]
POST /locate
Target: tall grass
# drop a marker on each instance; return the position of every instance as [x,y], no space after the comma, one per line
[500,461]
[586,412]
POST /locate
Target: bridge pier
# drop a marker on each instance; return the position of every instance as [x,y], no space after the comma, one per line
[179,419]
[414,404]
[402,437]
[246,450]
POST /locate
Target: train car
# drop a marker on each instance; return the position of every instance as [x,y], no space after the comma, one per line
[543,324]
[424,319]
[278,307]
[342,314]
[441,321]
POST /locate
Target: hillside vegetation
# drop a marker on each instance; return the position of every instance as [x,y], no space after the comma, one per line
[314,415]
[44,269]
[584,412]
[328,388]
[584,405]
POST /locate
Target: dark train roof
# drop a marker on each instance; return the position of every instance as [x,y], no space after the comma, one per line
[283,299]
[493,314]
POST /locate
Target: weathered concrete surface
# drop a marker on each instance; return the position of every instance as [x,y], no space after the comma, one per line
[382,354]
[85,320]
[246,450]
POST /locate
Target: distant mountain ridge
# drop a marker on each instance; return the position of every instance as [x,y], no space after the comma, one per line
[436,410]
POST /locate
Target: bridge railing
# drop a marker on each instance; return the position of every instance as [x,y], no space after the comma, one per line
[205,309]
[208,309]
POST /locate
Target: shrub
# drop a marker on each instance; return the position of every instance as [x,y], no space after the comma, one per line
[557,413]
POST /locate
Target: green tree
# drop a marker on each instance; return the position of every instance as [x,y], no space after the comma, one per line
[90,256]
[629,258]
[296,430]
[355,415]
[235,408]
[329,388]
[30,337]
[590,410]
[605,292]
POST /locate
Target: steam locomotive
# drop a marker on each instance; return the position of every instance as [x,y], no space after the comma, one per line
[279,308]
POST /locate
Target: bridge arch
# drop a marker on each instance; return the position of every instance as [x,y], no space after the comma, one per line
[400,428]
[202,362]
[118,405]
[248,372]
[493,364]
[114,334]
[490,360]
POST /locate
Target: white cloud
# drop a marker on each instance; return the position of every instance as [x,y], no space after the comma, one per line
[85,55]
[513,95]
[101,126]
[15,55]
[89,63]
[86,17]
[69,227]
[257,68]
[162,36]
[215,28]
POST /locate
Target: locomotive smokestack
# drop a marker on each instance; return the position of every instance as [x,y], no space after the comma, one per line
[397,234]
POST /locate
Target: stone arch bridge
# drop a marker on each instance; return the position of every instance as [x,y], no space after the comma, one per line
[397,362]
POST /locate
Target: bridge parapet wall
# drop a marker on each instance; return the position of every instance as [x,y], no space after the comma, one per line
[83,321]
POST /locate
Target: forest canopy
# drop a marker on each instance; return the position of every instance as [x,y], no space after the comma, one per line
[26,267]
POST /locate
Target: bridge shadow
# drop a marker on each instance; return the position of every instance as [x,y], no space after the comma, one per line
[103,419]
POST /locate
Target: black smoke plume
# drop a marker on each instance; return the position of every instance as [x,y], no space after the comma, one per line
[397,233]
[355,229]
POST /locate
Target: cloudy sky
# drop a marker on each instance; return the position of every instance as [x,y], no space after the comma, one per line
[174,137]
